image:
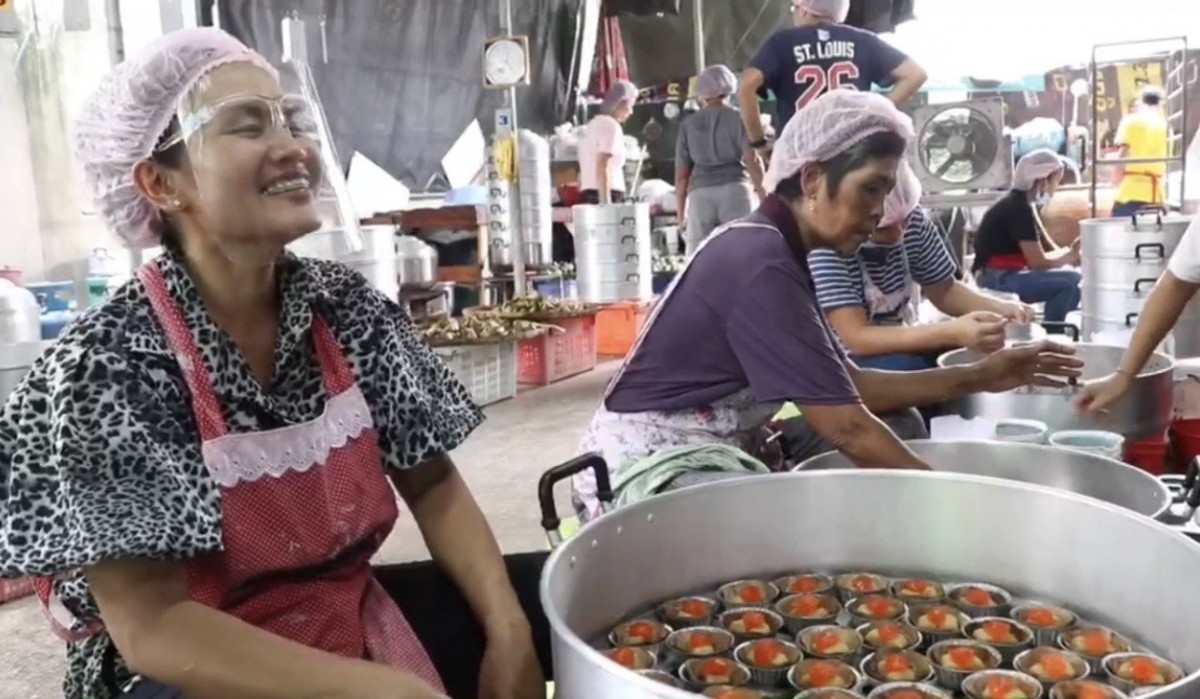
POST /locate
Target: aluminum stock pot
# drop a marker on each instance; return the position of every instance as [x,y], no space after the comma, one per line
[1115,567]
[1145,411]
[1086,474]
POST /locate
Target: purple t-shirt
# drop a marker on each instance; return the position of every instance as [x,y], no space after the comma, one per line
[799,64]
[743,315]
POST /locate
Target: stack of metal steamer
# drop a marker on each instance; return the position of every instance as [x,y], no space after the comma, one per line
[613,253]
[1122,259]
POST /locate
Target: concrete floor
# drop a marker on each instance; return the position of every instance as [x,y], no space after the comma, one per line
[501,462]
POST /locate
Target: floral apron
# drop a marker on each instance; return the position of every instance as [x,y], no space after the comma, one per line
[304,507]
[622,438]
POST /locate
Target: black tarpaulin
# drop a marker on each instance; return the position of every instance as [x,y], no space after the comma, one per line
[403,77]
[661,49]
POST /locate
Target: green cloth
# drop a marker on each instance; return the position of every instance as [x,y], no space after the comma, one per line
[645,478]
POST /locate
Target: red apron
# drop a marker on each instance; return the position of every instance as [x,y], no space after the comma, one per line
[304,507]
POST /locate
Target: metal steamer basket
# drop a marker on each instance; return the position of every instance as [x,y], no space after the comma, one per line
[1122,259]
[1144,412]
[1097,559]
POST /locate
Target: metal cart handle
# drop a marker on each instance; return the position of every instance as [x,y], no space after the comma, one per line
[1137,285]
[1137,250]
[561,472]
[1158,212]
[1065,328]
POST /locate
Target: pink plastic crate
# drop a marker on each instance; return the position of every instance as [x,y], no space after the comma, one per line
[559,353]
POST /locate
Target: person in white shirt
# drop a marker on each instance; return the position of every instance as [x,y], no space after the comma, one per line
[1174,289]
[602,148]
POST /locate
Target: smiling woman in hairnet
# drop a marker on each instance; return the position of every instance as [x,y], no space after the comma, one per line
[740,331]
[871,297]
[201,468]
[1013,252]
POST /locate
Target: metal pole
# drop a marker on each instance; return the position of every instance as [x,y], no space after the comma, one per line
[518,234]
[698,37]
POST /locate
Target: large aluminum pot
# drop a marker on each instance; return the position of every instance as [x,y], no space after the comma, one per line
[1087,474]
[1114,566]
[1145,411]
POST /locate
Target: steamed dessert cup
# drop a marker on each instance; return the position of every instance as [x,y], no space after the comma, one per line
[980,599]
[851,585]
[870,608]
[890,635]
[1093,643]
[750,624]
[1050,665]
[686,612]
[828,694]
[823,674]
[830,642]
[1045,621]
[918,590]
[640,633]
[896,666]
[955,660]
[747,593]
[1005,635]
[801,611]
[908,690]
[631,658]
[938,622]
[1131,671]
[768,659]
[727,692]
[803,584]
[1001,684]
[700,642]
[701,673]
[1086,689]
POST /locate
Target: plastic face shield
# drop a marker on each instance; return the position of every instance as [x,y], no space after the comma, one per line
[262,163]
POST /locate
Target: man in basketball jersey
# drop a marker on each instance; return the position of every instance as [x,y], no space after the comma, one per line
[819,54]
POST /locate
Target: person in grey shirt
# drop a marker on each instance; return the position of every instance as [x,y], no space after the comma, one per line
[715,167]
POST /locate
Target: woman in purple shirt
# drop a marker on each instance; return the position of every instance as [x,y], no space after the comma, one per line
[740,328]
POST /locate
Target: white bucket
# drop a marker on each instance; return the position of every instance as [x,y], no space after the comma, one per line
[1097,442]
[1022,431]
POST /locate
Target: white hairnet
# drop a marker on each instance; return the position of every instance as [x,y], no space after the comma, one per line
[835,10]
[829,126]
[622,92]
[903,198]
[1035,166]
[715,81]
[121,121]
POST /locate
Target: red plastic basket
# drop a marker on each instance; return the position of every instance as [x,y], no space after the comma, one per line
[1150,455]
[558,354]
[617,327]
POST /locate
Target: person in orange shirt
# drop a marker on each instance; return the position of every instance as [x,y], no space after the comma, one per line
[1143,134]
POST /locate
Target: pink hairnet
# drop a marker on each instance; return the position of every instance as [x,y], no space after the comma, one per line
[830,125]
[903,198]
[127,114]
[716,81]
[622,92]
[1034,166]
[831,9]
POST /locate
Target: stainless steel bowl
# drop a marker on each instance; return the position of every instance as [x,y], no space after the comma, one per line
[796,624]
[934,592]
[1026,661]
[824,584]
[773,620]
[897,609]
[673,655]
[828,694]
[1171,672]
[952,679]
[1008,651]
[726,593]
[975,686]
[848,590]
[614,637]
[1119,644]
[688,672]
[1045,636]
[1069,690]
[913,638]
[932,636]
[927,691]
[644,659]
[665,612]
